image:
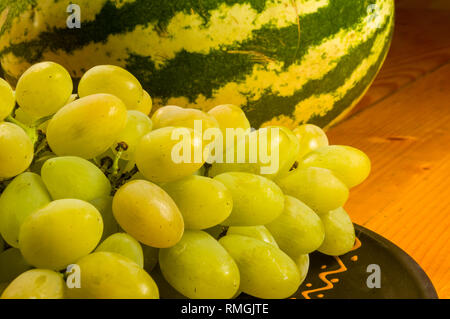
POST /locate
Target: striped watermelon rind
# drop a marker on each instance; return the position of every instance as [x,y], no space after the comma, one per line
[283,61]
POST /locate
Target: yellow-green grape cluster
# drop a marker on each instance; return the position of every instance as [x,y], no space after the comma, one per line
[23,196]
[99,198]
[256,199]
[81,179]
[138,125]
[278,144]
[125,245]
[17,150]
[7,100]
[200,268]
[148,213]
[36,284]
[108,275]
[60,233]
[88,126]
[154,155]
[203,202]
[44,89]
[176,116]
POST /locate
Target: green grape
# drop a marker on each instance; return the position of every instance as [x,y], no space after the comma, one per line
[258,232]
[125,245]
[146,212]
[203,202]
[229,116]
[60,233]
[43,89]
[199,267]
[266,271]
[298,230]
[87,127]
[302,262]
[17,150]
[339,233]
[317,187]
[349,164]
[7,99]
[74,177]
[175,116]
[29,120]
[32,120]
[151,257]
[113,80]
[106,275]
[160,159]
[138,125]
[23,196]
[256,200]
[311,137]
[104,206]
[288,148]
[145,105]
[36,284]
[204,126]
[269,151]
[166,291]
[25,118]
[2,244]
[12,264]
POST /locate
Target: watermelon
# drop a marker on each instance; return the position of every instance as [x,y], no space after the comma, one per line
[284,62]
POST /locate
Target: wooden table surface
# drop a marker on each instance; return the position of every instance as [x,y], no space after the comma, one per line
[403,124]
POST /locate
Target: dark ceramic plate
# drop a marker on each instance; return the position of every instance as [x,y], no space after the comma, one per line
[346,277]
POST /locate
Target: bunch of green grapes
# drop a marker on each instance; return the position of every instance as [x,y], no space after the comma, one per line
[100,200]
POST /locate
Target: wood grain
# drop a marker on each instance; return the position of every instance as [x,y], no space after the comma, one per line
[407,197]
[421,45]
[403,125]
[422,4]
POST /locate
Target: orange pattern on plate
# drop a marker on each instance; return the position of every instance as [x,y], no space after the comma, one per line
[323,275]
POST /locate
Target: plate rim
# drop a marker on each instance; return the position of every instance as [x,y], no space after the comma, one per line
[428,289]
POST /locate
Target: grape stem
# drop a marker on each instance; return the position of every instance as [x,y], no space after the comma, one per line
[31,131]
[207,167]
[115,167]
[96,161]
[121,147]
[105,164]
[118,182]
[44,158]
[41,121]
[223,232]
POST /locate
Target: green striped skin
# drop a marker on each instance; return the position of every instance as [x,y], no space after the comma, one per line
[283,61]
